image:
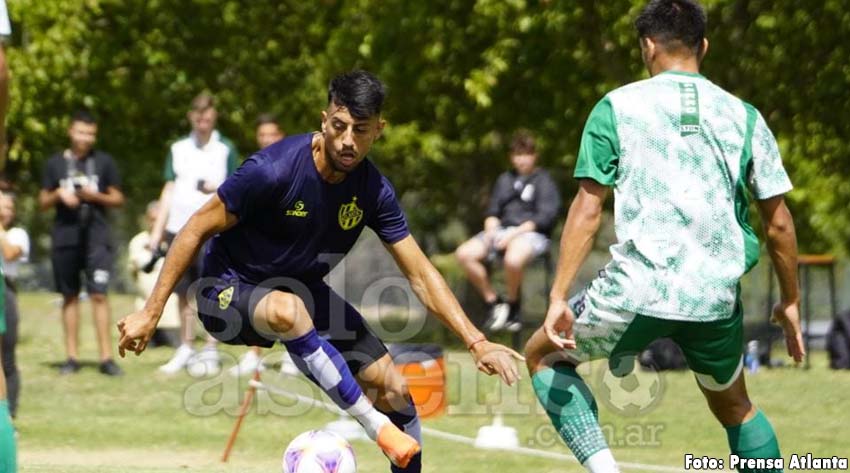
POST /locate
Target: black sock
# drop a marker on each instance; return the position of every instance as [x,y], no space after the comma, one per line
[515,307]
[406,420]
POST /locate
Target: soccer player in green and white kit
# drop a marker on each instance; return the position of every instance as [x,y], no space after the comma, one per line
[680,153]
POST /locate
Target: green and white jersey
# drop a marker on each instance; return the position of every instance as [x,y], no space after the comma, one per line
[680,153]
[186,165]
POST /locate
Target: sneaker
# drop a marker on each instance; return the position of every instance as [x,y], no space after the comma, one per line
[249,363]
[499,312]
[399,447]
[287,366]
[70,366]
[204,363]
[178,361]
[514,322]
[109,368]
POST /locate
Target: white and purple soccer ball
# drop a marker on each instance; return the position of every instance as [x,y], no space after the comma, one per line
[319,451]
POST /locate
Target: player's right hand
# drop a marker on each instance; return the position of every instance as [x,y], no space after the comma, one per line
[558,325]
[135,331]
[787,316]
[493,358]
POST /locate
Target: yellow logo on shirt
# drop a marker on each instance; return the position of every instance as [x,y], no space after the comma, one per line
[350,214]
[224,298]
[297,210]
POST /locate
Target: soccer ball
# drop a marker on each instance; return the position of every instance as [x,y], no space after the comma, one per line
[319,451]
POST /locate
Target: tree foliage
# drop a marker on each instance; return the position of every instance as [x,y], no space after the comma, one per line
[462,76]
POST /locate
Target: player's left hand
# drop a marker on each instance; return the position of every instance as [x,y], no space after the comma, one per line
[493,358]
[559,320]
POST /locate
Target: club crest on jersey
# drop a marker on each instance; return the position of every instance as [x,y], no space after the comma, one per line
[224,298]
[350,214]
[297,210]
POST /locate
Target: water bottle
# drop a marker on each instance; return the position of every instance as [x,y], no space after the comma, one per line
[751,356]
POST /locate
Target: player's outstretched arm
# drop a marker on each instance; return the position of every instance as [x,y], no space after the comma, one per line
[137,328]
[583,220]
[432,290]
[782,247]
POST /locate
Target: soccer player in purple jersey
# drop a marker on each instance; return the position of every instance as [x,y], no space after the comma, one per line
[276,224]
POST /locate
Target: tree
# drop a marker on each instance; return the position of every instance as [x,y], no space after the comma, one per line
[462,76]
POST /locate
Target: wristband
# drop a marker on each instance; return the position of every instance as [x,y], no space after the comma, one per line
[476,342]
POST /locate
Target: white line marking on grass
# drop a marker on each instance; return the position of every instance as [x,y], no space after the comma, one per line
[454,437]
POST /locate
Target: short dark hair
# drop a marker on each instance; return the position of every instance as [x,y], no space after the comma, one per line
[673,23]
[359,91]
[266,119]
[85,116]
[523,143]
[202,102]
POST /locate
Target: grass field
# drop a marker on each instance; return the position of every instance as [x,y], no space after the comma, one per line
[144,422]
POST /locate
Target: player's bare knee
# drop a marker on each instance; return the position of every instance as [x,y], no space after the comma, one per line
[540,353]
[732,412]
[98,298]
[284,312]
[730,406]
[535,351]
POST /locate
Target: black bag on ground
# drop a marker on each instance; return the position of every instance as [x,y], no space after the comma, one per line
[838,342]
[663,354]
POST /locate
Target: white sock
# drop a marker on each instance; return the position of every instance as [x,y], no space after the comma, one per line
[368,416]
[601,462]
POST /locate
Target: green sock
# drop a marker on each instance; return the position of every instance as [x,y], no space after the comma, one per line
[571,408]
[7,439]
[754,439]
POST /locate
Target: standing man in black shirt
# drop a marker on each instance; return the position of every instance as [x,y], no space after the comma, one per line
[523,208]
[82,183]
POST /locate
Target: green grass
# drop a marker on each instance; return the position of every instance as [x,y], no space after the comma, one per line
[145,422]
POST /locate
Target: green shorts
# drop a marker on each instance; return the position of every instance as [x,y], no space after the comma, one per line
[713,349]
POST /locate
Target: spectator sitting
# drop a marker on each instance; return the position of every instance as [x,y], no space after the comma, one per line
[523,209]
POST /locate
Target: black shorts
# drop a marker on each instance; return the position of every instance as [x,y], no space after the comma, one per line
[193,272]
[225,309]
[94,260]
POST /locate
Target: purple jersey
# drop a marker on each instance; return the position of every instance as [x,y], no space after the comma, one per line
[291,221]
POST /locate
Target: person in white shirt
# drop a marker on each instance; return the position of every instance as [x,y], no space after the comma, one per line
[15,245]
[196,165]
